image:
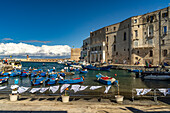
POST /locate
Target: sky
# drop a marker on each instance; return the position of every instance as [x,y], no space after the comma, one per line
[62,23]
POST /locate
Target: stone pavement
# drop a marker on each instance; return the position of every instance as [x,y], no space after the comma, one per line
[82,105]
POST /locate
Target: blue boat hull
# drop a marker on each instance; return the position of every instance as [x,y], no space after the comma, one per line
[71,81]
[90,67]
[83,71]
[105,82]
[37,81]
[3,79]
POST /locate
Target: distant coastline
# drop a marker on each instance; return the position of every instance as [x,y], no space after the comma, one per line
[43,60]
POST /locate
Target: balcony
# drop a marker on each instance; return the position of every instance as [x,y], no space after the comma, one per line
[146,46]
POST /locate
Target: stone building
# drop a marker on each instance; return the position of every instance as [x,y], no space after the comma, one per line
[97,46]
[75,54]
[86,50]
[136,40]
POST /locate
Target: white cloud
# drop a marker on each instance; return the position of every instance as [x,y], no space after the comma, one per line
[22,49]
[7,39]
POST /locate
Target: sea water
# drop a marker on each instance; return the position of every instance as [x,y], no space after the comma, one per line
[127,80]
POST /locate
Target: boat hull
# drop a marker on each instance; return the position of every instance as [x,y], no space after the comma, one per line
[71,81]
[90,67]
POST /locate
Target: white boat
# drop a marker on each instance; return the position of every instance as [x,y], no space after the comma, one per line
[155,73]
[157,77]
[16,65]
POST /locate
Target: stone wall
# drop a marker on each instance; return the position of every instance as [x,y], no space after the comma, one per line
[75,54]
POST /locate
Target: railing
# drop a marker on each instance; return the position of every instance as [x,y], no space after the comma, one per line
[154,92]
[144,46]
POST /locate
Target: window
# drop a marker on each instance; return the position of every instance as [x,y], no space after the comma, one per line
[164,15]
[151,53]
[100,48]
[107,29]
[107,38]
[135,21]
[114,47]
[116,53]
[136,33]
[163,42]
[150,42]
[124,49]
[150,31]
[136,58]
[165,30]
[138,26]
[165,52]
[107,48]
[114,38]
[136,43]
[145,33]
[137,52]
[151,19]
[124,36]
[114,28]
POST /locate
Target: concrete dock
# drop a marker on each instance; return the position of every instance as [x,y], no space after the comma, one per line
[83,105]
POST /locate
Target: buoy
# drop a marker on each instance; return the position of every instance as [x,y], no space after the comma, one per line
[115,74]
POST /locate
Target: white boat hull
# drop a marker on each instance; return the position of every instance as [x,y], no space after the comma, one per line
[157,77]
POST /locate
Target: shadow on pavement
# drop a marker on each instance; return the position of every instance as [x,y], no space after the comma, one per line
[134,110]
[33,111]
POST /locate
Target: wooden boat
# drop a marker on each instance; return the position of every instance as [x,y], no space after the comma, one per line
[72,81]
[37,81]
[101,68]
[3,79]
[153,73]
[105,80]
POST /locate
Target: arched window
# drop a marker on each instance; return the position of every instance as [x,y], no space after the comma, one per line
[124,36]
[151,53]
[165,52]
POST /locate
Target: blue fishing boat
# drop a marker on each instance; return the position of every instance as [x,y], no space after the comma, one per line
[5,74]
[37,81]
[43,74]
[72,81]
[134,70]
[102,68]
[62,74]
[105,80]
[51,81]
[13,74]
[24,74]
[33,74]
[18,72]
[3,79]
[84,71]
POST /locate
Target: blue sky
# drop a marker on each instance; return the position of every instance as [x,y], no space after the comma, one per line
[65,22]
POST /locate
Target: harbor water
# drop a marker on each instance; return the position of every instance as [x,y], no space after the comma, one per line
[127,81]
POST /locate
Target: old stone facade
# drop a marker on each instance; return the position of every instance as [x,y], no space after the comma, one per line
[136,40]
[75,54]
[86,50]
[97,46]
